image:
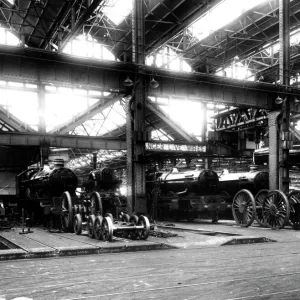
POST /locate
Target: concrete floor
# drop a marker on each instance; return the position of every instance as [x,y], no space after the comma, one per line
[204,261]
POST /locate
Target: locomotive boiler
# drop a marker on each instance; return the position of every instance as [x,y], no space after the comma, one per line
[191,192]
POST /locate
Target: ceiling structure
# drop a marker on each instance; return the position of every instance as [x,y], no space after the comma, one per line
[51,24]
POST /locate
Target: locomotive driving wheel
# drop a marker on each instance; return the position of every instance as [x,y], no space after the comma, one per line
[259,198]
[96,204]
[107,229]
[243,208]
[77,224]
[91,225]
[276,209]
[98,227]
[67,211]
[294,201]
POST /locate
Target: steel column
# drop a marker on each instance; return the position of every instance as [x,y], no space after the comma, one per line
[284,63]
[129,157]
[41,102]
[136,144]
[273,150]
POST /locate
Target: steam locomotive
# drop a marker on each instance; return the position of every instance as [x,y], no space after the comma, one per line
[47,194]
[42,192]
[191,192]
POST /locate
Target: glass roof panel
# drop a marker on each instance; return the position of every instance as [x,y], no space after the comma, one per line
[87,46]
[117,10]
[220,15]
[62,106]
[8,38]
[167,58]
[19,101]
[109,119]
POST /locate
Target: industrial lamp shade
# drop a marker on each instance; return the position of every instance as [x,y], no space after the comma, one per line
[128,82]
[278,100]
[154,84]
[236,58]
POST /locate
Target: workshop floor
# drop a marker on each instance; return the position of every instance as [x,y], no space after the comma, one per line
[42,243]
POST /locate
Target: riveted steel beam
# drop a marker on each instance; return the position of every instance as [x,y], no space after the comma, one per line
[242,118]
[32,65]
[61,141]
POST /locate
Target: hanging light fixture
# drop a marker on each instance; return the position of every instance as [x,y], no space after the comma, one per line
[154,84]
[128,82]
[278,100]
[236,58]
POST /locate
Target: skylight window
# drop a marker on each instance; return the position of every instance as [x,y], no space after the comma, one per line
[167,58]
[86,46]
[104,122]
[220,15]
[117,10]
[237,71]
[7,38]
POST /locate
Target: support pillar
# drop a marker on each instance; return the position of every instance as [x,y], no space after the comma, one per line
[273,150]
[284,76]
[41,109]
[204,122]
[136,134]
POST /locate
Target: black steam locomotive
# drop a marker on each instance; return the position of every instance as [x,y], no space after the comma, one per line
[44,193]
[191,192]
[48,191]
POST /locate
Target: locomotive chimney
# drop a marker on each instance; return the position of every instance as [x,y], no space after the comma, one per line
[58,163]
[200,166]
[253,168]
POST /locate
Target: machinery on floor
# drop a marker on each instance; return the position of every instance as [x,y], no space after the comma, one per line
[106,215]
[51,194]
[187,194]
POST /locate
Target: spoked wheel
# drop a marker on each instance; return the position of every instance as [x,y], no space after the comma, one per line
[276,209]
[77,225]
[110,216]
[90,226]
[134,220]
[259,198]
[243,208]
[125,218]
[96,204]
[98,227]
[107,229]
[143,233]
[67,211]
[294,201]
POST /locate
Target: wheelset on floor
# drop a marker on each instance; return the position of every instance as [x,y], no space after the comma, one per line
[269,208]
[104,227]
